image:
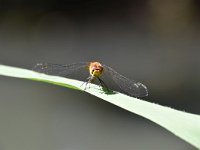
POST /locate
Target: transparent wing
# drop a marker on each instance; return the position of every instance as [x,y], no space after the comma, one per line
[129,87]
[58,69]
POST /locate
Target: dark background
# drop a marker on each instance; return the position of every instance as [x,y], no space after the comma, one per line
[155,42]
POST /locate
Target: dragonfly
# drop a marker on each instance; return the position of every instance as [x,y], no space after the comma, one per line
[95,72]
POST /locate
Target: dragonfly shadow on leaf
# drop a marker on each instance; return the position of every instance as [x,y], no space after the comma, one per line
[108,91]
[100,89]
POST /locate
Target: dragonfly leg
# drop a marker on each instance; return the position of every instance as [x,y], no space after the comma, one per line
[88,80]
[102,84]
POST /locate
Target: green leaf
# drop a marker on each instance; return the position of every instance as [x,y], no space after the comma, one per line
[182,124]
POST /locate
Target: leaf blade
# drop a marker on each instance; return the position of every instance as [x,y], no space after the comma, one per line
[182,124]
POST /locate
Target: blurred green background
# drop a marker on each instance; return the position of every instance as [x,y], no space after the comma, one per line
[155,42]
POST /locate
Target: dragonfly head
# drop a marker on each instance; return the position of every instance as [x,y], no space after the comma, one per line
[95,69]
